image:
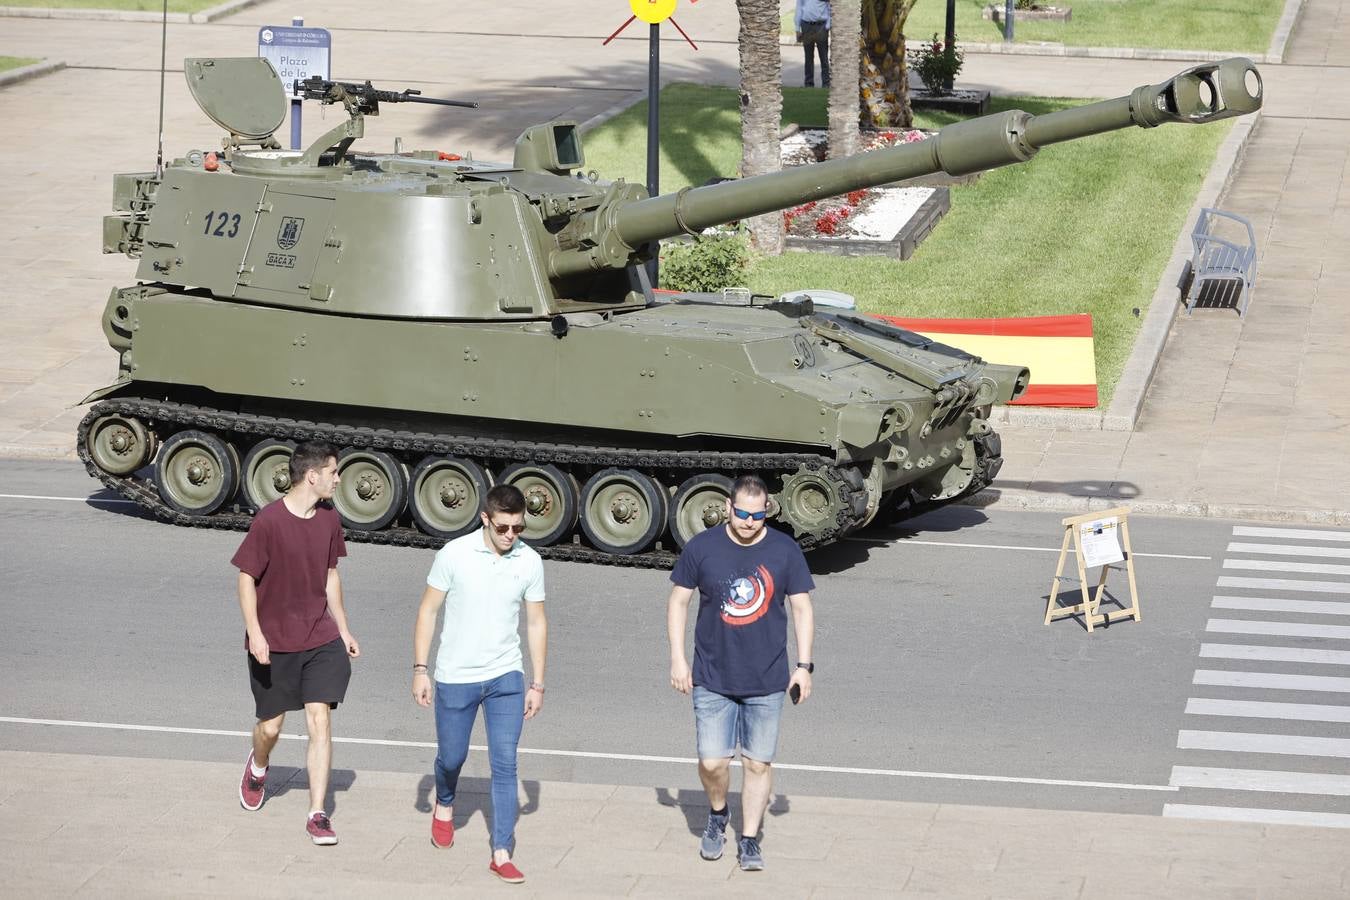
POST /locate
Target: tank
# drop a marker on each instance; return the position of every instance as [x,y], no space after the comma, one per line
[451,323]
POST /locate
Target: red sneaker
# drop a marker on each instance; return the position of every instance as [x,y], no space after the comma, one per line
[320,829]
[251,787]
[442,833]
[507,872]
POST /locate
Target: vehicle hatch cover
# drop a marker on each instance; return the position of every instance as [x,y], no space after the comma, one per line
[243,95]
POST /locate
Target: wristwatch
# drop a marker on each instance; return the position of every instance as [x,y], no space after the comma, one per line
[810,667]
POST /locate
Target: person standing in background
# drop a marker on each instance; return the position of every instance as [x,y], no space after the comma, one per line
[813,33]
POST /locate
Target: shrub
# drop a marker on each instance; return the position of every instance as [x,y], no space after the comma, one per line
[936,63]
[707,263]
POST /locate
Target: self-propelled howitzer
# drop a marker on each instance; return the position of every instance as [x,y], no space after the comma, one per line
[451,323]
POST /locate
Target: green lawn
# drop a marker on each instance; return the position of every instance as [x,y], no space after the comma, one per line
[175,6]
[1087,226]
[14,62]
[1168,24]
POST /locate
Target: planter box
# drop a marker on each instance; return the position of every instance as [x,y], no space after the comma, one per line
[1044,13]
[965,102]
[902,246]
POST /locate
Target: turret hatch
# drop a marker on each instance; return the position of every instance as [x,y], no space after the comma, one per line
[243,95]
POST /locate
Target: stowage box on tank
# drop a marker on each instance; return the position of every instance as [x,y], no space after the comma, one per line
[451,323]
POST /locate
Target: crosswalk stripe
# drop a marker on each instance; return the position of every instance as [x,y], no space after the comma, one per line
[1266,816]
[1246,742]
[1289,629]
[1257,709]
[1275,654]
[1286,584]
[1279,604]
[1272,680]
[1290,550]
[1279,565]
[1260,780]
[1292,534]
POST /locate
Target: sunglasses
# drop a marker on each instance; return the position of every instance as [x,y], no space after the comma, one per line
[503,529]
[744,514]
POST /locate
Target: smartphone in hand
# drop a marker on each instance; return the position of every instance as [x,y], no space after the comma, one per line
[795,692]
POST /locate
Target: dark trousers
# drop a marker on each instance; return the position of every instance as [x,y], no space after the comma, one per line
[816,38]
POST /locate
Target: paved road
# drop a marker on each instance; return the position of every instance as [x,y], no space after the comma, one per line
[932,656]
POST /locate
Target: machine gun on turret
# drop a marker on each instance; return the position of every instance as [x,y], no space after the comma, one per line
[364,99]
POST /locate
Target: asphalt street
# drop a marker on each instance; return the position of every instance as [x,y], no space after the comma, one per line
[937,680]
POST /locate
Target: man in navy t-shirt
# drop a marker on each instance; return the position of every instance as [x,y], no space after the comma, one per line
[743,572]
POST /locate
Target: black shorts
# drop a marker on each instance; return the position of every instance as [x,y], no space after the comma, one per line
[294,679]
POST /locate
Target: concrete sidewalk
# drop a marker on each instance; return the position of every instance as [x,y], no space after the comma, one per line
[117,827]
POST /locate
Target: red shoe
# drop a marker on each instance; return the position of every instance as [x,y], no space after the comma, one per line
[321,830]
[251,787]
[442,833]
[507,872]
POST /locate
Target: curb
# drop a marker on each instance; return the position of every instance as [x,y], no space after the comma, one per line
[19,451]
[1128,399]
[605,115]
[119,15]
[23,73]
[1283,29]
[1022,499]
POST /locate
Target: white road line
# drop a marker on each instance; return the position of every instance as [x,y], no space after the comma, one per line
[72,499]
[907,542]
[1289,550]
[1269,565]
[1255,709]
[1275,654]
[1286,584]
[1260,780]
[1279,604]
[1266,816]
[1272,680]
[1289,629]
[1283,744]
[582,754]
[1292,534]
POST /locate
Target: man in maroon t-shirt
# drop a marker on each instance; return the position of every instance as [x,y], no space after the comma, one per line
[295,626]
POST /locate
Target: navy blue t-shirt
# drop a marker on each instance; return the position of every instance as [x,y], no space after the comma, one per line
[740,635]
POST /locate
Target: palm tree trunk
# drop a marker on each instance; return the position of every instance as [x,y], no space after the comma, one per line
[845,58]
[885,75]
[761,67]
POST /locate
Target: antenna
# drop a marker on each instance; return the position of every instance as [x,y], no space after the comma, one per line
[163,49]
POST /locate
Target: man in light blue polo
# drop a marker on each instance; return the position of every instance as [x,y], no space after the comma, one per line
[481,579]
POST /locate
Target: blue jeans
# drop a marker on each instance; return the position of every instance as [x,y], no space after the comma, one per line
[722,723]
[503,702]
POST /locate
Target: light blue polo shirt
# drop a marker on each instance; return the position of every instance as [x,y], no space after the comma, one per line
[480,637]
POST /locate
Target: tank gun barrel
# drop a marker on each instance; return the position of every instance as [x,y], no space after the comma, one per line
[1204,93]
[365,98]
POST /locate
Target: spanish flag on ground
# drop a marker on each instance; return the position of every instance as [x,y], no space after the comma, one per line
[1057,350]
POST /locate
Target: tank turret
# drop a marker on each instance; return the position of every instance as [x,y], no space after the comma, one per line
[450,323]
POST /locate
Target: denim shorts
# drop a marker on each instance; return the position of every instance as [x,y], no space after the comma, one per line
[723,723]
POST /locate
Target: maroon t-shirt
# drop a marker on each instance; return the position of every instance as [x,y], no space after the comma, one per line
[290,557]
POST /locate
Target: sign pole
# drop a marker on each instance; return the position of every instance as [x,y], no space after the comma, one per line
[653,124]
[949,82]
[296,103]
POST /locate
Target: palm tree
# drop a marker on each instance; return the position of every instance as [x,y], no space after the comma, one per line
[845,55]
[885,77]
[761,70]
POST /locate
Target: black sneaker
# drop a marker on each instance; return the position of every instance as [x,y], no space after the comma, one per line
[713,837]
[748,852]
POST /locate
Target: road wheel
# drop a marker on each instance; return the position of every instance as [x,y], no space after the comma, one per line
[813,503]
[197,472]
[267,471]
[699,503]
[372,489]
[119,445]
[551,502]
[447,495]
[623,511]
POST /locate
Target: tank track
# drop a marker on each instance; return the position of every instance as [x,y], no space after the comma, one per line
[236,517]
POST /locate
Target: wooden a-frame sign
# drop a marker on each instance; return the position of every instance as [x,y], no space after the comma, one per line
[1099,539]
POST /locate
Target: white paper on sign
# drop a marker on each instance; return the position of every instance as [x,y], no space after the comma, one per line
[1100,539]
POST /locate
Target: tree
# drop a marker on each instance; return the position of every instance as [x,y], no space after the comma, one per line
[845,58]
[885,76]
[761,70]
